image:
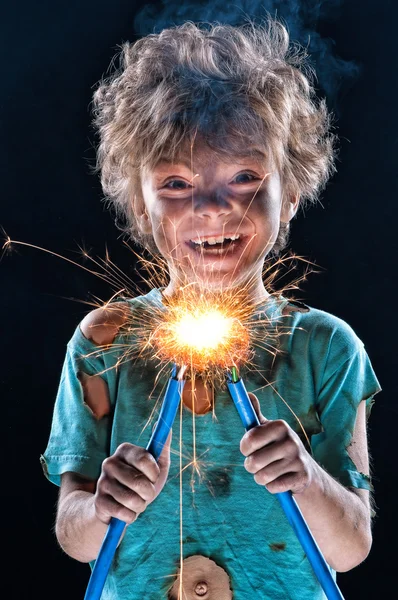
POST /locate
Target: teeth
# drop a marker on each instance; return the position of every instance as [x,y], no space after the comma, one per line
[215,240]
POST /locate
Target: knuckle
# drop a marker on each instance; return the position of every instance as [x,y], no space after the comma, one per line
[130,500]
[139,484]
[107,464]
[102,485]
[251,434]
[247,441]
[124,449]
[146,462]
[281,425]
[136,503]
[143,486]
[142,463]
[102,505]
[126,515]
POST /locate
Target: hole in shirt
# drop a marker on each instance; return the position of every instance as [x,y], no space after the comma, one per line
[201,578]
[295,306]
[96,394]
[198,396]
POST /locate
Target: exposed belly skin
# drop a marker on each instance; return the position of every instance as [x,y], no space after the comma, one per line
[202,578]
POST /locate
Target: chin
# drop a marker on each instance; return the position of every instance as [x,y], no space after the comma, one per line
[214,280]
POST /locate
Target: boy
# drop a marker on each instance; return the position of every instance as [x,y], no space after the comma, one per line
[210,139]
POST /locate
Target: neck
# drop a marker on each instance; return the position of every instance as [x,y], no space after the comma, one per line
[254,290]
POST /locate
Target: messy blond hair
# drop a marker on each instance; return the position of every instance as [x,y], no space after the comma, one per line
[227,84]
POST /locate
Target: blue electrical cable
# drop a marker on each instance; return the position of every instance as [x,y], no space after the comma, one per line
[116,527]
[155,446]
[321,568]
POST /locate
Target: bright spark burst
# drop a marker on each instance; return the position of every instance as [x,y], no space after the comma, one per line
[206,332]
[202,331]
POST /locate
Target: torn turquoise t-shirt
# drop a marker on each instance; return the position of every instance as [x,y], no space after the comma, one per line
[321,371]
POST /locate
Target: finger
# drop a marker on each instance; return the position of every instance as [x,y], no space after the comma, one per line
[256,405]
[164,464]
[127,497]
[262,435]
[133,479]
[164,458]
[141,459]
[272,472]
[107,507]
[265,456]
[294,482]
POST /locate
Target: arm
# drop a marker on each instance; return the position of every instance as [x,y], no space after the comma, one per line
[78,529]
[130,479]
[338,517]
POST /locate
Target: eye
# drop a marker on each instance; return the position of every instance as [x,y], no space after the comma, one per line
[245,178]
[177,184]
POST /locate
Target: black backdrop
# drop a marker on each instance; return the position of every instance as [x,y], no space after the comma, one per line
[52,55]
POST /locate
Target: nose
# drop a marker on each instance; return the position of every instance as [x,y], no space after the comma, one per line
[212,206]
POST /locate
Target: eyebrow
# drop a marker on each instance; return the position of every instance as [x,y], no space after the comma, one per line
[251,153]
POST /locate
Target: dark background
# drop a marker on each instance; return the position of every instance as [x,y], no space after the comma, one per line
[52,55]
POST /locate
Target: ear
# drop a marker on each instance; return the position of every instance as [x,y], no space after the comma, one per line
[141,215]
[289,208]
[144,222]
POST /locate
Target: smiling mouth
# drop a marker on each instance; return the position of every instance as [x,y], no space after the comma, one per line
[216,245]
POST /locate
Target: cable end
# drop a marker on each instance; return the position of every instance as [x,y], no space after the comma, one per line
[233,375]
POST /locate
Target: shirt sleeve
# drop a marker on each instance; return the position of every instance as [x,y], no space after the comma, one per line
[78,441]
[348,379]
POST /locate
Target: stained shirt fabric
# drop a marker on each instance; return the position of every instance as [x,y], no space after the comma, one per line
[319,375]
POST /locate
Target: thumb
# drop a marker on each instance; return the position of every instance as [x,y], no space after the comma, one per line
[164,465]
[164,458]
[257,409]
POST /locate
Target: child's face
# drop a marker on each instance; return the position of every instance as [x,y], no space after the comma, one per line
[214,221]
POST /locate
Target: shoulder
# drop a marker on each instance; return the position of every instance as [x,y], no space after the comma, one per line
[102,325]
[323,328]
